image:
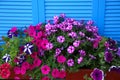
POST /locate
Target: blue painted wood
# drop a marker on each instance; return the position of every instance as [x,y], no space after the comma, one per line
[77,9]
[101,12]
[112,19]
[17,13]
[41,9]
[95,11]
[35,12]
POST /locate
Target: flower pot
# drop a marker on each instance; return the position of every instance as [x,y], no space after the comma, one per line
[81,73]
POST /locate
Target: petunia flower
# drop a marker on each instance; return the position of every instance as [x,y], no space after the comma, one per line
[62,74]
[80,60]
[70,62]
[49,46]
[13,29]
[118,52]
[57,52]
[26,65]
[5,73]
[70,49]
[37,62]
[72,34]
[44,43]
[6,58]
[76,43]
[28,48]
[60,39]
[97,74]
[55,73]
[45,69]
[108,57]
[82,53]
[61,59]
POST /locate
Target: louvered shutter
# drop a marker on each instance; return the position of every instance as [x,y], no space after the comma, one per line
[17,13]
[77,9]
[112,19]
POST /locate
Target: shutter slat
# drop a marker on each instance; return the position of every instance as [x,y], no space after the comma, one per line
[14,13]
[112,19]
[77,9]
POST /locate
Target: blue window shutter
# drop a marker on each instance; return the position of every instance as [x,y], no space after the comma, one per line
[112,19]
[17,13]
[77,9]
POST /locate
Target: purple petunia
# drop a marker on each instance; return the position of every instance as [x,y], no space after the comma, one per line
[49,46]
[118,52]
[57,52]
[60,39]
[108,57]
[76,43]
[92,56]
[72,34]
[97,74]
[70,62]
[28,48]
[70,49]
[82,34]
[12,34]
[82,53]
[80,60]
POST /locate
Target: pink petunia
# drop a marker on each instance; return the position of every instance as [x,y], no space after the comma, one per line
[37,62]
[60,39]
[44,43]
[61,59]
[76,43]
[5,73]
[45,69]
[49,46]
[62,74]
[55,73]
[70,49]
[14,29]
[23,70]
[26,65]
[17,70]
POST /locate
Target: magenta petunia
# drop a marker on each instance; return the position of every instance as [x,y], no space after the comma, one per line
[45,69]
[26,65]
[61,59]
[55,73]
[23,70]
[17,70]
[37,62]
[62,74]
[44,43]
[14,29]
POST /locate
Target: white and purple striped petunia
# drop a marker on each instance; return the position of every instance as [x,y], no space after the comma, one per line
[6,57]
[28,48]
